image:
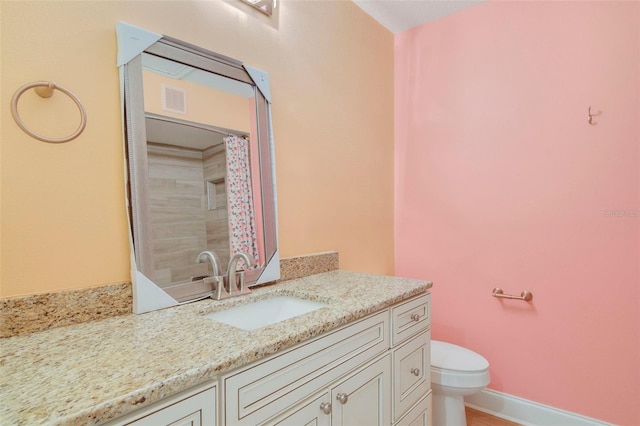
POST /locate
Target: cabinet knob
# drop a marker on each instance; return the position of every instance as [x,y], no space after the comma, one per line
[415,371]
[342,398]
[325,407]
[415,317]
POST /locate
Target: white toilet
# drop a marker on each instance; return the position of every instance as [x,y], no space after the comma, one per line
[455,372]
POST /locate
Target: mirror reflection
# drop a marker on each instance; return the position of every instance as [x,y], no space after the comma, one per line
[189,170]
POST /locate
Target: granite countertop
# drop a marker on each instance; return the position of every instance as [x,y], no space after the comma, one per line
[93,372]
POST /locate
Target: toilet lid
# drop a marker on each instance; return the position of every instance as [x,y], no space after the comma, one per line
[452,357]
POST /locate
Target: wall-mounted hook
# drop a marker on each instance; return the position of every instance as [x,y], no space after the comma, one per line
[591,115]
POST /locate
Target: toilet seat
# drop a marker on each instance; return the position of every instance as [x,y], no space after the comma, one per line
[455,366]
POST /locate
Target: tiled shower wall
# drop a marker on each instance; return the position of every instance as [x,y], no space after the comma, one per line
[176,176]
[188,209]
[217,224]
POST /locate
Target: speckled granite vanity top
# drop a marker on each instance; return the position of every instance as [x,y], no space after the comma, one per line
[93,372]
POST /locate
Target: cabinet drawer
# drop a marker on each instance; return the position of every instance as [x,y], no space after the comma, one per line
[266,388]
[420,415]
[410,318]
[411,373]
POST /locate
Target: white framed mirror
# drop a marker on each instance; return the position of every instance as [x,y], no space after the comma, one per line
[201,176]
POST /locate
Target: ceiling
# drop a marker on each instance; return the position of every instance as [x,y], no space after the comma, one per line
[400,15]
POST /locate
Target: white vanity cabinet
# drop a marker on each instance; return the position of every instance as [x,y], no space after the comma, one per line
[375,371]
[265,389]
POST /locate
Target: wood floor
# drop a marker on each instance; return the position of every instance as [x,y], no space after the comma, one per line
[478,418]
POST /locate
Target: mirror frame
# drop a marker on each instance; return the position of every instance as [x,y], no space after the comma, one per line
[138,193]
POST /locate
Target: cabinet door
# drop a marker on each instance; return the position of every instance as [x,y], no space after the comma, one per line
[365,397]
[196,410]
[411,373]
[314,412]
[419,415]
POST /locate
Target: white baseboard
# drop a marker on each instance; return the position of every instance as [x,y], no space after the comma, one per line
[524,412]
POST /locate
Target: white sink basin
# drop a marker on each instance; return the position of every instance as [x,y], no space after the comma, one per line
[261,313]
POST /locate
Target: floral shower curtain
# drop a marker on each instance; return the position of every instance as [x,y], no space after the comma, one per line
[242,225]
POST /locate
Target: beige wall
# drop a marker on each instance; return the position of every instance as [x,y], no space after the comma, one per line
[204,104]
[62,206]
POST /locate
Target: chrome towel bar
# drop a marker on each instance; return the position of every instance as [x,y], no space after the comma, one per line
[527,296]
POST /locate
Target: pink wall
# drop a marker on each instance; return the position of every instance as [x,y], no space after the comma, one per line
[500,181]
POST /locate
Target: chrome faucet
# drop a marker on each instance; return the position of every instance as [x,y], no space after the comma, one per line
[215,279]
[213,259]
[232,282]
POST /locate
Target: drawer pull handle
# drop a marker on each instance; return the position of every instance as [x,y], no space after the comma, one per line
[325,407]
[415,317]
[342,398]
[415,371]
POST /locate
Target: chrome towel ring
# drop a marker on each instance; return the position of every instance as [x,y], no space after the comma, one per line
[45,89]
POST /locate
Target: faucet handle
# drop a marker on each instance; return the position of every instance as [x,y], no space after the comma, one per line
[219,291]
[236,285]
[233,274]
[240,282]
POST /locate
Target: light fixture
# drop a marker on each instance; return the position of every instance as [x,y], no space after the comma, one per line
[264,6]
